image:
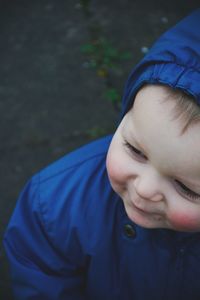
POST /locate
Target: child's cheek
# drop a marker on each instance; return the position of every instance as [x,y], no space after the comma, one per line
[113,168]
[185,221]
[115,171]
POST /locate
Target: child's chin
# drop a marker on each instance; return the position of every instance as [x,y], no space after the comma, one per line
[143,219]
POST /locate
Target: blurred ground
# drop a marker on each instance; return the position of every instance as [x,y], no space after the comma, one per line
[50,101]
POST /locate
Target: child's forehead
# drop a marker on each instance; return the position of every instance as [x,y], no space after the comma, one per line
[181,107]
[151,100]
[155,115]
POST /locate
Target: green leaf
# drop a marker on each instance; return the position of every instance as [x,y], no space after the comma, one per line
[88,48]
[112,95]
[126,55]
[111,52]
[93,63]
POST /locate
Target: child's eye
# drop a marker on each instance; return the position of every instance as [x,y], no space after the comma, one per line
[135,151]
[186,191]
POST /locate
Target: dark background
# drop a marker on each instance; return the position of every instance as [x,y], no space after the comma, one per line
[50,100]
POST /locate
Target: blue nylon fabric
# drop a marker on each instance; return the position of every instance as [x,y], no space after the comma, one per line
[67,239]
[173,60]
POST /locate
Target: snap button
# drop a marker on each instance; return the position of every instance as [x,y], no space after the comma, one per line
[129,231]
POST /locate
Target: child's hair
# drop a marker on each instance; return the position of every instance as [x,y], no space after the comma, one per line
[186,107]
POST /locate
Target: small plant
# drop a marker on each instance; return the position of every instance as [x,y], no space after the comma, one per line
[112,95]
[104,59]
[102,56]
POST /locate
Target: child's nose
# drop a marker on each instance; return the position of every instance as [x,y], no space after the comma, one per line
[148,188]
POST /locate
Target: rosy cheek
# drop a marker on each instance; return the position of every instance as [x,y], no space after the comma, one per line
[116,173]
[185,221]
[113,166]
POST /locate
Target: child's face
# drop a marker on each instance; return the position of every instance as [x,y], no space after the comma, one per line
[155,169]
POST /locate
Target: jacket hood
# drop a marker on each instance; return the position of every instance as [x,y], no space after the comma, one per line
[173,60]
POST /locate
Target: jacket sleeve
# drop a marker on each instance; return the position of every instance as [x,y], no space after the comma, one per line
[41,268]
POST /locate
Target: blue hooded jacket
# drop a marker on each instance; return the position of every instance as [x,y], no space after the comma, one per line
[69,236]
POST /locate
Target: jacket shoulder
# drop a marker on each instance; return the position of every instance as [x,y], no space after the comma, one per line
[74,193]
[76,159]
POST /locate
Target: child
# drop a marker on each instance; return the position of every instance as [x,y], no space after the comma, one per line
[120,219]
